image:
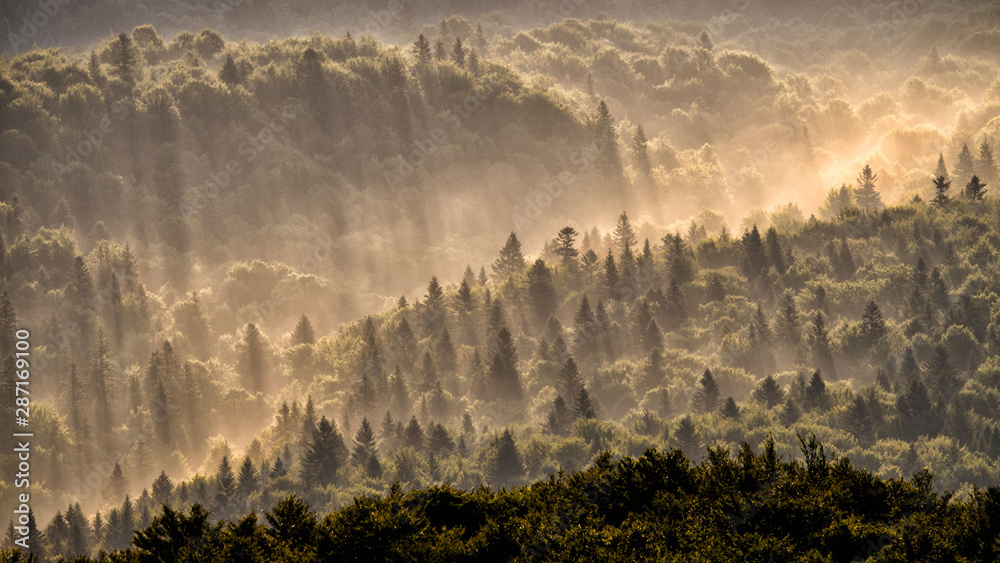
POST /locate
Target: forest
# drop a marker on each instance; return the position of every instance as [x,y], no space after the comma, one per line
[692,282]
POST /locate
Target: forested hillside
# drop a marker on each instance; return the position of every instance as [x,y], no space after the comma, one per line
[387,277]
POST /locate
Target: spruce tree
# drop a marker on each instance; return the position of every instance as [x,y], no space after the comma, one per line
[872,324]
[325,455]
[706,398]
[505,464]
[640,151]
[986,166]
[511,260]
[941,186]
[421,49]
[565,248]
[865,194]
[541,293]
[975,189]
[966,166]
[505,381]
[252,359]
[819,344]
[769,393]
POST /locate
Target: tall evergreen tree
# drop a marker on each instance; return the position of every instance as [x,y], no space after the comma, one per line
[541,292]
[565,248]
[706,398]
[975,189]
[624,236]
[303,333]
[865,194]
[505,464]
[511,260]
[325,455]
[966,166]
[819,344]
[421,49]
[640,151]
[504,378]
[941,186]
[252,358]
[986,166]
[872,324]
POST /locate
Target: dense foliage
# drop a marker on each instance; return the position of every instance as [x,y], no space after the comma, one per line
[202,237]
[754,507]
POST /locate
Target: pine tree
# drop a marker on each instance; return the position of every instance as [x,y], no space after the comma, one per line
[505,463]
[686,439]
[125,58]
[941,169]
[583,407]
[303,333]
[640,151]
[730,409]
[458,53]
[541,291]
[248,480]
[819,344]
[559,417]
[225,482]
[439,50]
[917,414]
[251,358]
[815,392]
[769,393]
[325,455]
[421,49]
[511,260]
[941,375]
[505,381]
[117,486]
[941,186]
[858,420]
[565,248]
[774,253]
[865,194]
[872,324]
[413,434]
[966,166]
[604,133]
[985,165]
[364,444]
[624,236]
[754,260]
[706,398]
[230,74]
[974,190]
[162,489]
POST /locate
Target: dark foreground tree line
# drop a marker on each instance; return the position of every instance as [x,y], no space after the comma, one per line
[734,506]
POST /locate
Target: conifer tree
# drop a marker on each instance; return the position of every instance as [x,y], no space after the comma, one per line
[251,358]
[458,53]
[865,194]
[325,455]
[872,324]
[941,186]
[229,74]
[986,166]
[421,49]
[505,381]
[565,248]
[511,260]
[248,480]
[505,463]
[706,398]
[640,151]
[624,236]
[541,291]
[303,333]
[975,189]
[966,166]
[769,393]
[819,344]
